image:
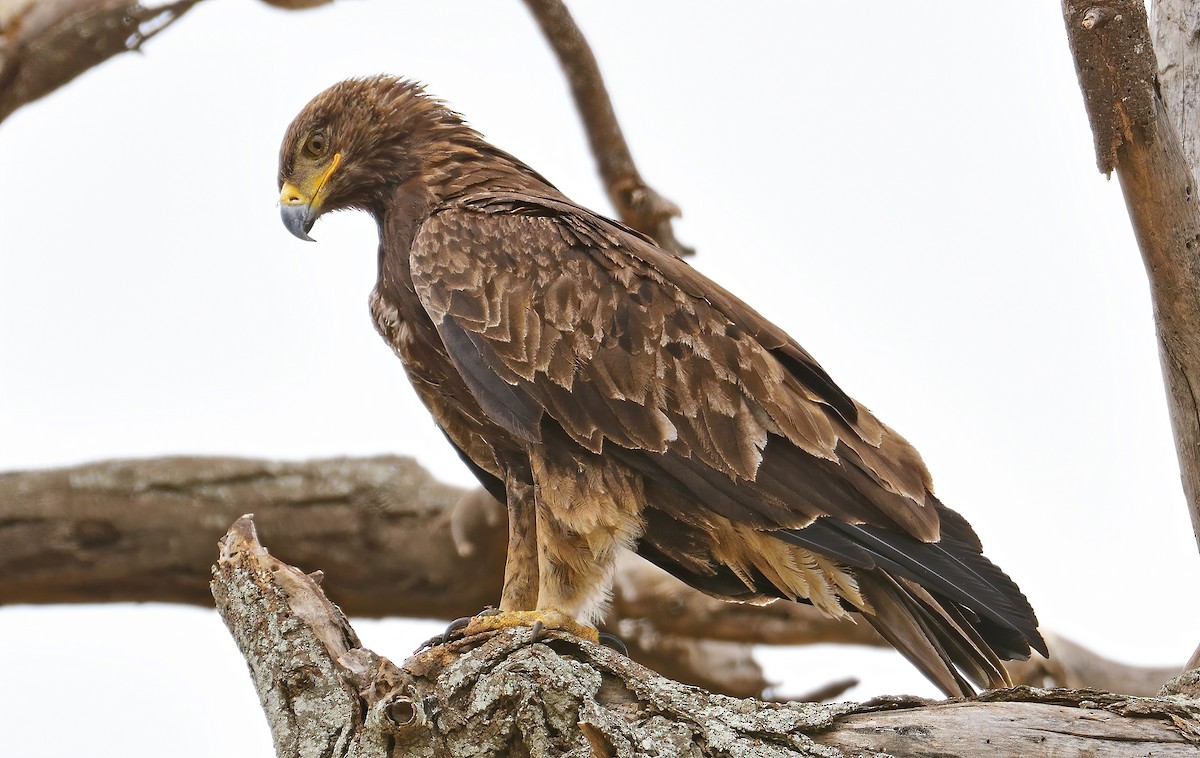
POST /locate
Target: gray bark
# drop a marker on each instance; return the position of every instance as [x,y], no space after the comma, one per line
[501,694]
[1174,25]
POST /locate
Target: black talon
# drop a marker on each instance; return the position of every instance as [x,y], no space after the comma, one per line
[537,631]
[455,626]
[433,641]
[452,630]
[614,642]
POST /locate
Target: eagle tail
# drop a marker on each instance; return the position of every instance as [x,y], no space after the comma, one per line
[935,636]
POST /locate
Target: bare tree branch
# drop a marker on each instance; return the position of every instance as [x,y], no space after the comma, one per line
[491,695]
[391,541]
[638,204]
[46,43]
[141,530]
[1117,71]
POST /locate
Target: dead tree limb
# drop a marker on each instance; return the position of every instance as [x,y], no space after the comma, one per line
[498,694]
[46,43]
[392,541]
[1117,69]
[1174,25]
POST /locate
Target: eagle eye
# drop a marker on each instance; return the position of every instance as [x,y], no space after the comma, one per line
[316,145]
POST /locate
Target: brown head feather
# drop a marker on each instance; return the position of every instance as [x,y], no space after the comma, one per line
[389,132]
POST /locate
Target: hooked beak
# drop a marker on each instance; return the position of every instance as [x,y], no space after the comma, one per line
[297,214]
[300,206]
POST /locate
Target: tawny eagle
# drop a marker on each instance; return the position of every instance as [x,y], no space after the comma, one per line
[613,397]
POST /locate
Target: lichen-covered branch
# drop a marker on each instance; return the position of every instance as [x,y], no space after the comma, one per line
[637,204]
[392,541]
[501,694]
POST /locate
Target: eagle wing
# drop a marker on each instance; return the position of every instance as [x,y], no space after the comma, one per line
[553,314]
[556,317]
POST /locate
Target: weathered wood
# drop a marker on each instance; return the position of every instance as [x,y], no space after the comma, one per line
[1038,726]
[1072,665]
[1174,25]
[501,694]
[1117,70]
[301,650]
[391,536]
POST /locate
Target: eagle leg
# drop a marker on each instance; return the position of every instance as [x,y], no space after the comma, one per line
[585,511]
[520,566]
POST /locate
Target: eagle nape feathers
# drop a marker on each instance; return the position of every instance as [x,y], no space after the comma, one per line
[613,397]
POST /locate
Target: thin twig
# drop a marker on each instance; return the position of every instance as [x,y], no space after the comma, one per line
[638,204]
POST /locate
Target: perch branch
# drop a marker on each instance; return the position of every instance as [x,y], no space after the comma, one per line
[498,694]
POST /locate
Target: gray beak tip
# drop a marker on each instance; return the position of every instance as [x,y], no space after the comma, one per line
[296,220]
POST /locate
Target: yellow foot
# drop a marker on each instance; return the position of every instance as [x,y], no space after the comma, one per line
[538,619]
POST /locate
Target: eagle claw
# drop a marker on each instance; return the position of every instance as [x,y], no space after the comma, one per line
[613,642]
[453,631]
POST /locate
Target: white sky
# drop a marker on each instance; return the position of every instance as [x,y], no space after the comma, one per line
[910,192]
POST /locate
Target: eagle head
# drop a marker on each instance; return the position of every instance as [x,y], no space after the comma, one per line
[354,143]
